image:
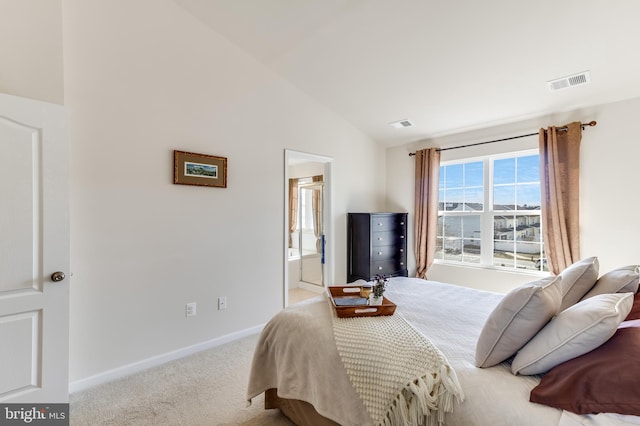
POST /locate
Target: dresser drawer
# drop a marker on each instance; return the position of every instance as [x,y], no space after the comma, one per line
[387,252]
[386,238]
[385,223]
[387,267]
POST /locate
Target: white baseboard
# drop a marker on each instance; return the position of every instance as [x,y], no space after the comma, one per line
[136,367]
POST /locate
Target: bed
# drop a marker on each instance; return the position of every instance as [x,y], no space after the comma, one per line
[298,367]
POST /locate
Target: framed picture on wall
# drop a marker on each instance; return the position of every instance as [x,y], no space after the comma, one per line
[199,169]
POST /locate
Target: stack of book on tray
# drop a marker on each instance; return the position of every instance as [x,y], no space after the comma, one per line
[350,301]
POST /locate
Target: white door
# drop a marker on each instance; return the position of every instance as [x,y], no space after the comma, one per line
[34,245]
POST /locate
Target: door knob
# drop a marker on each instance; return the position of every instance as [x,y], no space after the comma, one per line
[57,276]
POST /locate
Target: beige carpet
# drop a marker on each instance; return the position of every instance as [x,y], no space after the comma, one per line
[207,388]
[299,294]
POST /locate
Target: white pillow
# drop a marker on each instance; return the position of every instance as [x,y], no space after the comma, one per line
[619,280]
[517,318]
[577,280]
[574,332]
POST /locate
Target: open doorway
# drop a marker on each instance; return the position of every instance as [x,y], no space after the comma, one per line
[308,260]
[307,236]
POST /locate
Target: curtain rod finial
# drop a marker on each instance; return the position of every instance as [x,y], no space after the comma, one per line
[592,123]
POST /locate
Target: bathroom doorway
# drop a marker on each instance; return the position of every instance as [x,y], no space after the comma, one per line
[308,235]
[310,230]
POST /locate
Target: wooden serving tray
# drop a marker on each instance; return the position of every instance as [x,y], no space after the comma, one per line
[349,311]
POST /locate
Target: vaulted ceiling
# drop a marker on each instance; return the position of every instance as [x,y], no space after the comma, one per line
[447,66]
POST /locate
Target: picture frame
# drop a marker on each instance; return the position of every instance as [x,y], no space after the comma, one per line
[190,168]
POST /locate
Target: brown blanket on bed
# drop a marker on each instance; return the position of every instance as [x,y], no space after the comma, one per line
[297,355]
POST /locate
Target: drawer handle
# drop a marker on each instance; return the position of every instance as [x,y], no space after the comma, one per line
[401,263]
[365,311]
[401,250]
[379,238]
[401,223]
[379,224]
[401,237]
[379,253]
[380,268]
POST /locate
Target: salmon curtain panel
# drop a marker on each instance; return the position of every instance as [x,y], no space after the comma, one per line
[293,208]
[559,182]
[426,208]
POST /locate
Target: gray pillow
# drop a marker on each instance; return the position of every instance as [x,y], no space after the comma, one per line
[577,280]
[574,332]
[621,280]
[516,319]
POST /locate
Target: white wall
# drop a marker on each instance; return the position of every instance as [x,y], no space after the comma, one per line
[609,201]
[306,169]
[31,49]
[144,78]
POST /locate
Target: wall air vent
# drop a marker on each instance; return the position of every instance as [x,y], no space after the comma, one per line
[569,81]
[401,124]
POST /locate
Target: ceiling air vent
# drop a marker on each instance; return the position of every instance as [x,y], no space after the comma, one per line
[401,124]
[569,81]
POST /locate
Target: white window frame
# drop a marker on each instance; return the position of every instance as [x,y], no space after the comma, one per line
[306,224]
[488,213]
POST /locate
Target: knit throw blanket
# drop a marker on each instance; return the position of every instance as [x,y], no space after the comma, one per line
[401,377]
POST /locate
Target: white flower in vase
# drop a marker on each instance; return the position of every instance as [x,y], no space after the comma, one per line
[379,286]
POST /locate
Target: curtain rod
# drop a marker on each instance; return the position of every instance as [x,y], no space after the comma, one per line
[583,125]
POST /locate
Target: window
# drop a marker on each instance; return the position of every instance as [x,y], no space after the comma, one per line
[306,212]
[489,212]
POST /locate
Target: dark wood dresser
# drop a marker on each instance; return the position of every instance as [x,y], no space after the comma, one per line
[376,244]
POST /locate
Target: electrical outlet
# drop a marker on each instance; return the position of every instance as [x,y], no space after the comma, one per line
[190,309]
[222,303]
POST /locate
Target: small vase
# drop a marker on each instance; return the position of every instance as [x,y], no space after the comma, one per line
[375,300]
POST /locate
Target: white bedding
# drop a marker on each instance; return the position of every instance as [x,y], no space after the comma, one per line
[451,317]
[602,419]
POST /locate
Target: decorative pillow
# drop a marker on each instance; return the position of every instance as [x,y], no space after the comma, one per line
[573,332]
[604,380]
[577,280]
[517,318]
[619,280]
